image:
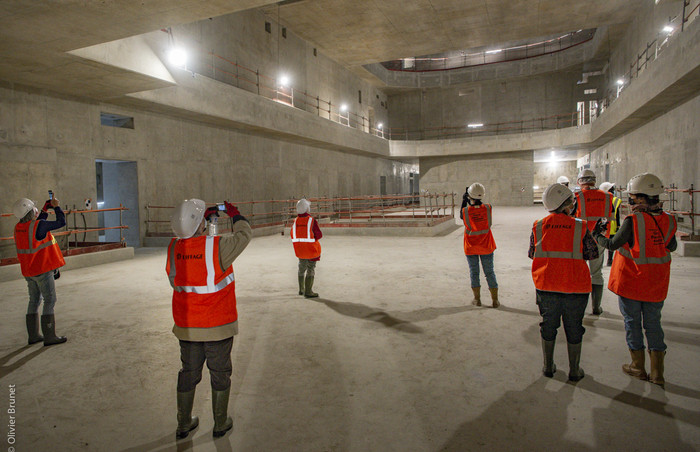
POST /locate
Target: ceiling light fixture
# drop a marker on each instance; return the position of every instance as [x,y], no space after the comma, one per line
[284,81]
[620,81]
[380,125]
[344,108]
[490,52]
[177,57]
[473,126]
[668,29]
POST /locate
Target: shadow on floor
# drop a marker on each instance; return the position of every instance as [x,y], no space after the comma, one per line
[6,370]
[168,443]
[364,312]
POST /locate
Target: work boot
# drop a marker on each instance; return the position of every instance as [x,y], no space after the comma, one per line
[219,405]
[308,285]
[656,375]
[548,353]
[185,421]
[494,296]
[301,284]
[597,298]
[575,372]
[48,327]
[477,296]
[33,329]
[636,367]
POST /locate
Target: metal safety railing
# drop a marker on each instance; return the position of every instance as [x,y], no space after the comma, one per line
[491,56]
[672,190]
[386,210]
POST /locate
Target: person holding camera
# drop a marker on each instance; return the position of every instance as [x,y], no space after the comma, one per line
[39,259]
[200,271]
[641,271]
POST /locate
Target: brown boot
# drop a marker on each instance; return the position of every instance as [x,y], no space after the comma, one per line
[656,375]
[636,367]
[494,296]
[477,296]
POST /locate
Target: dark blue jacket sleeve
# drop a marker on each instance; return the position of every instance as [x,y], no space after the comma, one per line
[46,226]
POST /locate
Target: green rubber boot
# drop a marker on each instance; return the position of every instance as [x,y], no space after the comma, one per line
[33,329]
[575,372]
[548,353]
[308,285]
[219,405]
[48,327]
[185,421]
[301,284]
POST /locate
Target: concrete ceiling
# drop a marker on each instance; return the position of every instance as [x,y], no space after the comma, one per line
[54,45]
[355,32]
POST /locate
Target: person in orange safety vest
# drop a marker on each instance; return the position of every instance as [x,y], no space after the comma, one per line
[592,205]
[641,271]
[305,235]
[39,259]
[478,242]
[559,248]
[200,271]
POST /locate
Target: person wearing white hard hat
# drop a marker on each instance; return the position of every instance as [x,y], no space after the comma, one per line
[200,271]
[641,271]
[479,243]
[592,205]
[563,180]
[39,258]
[305,235]
[615,222]
[559,248]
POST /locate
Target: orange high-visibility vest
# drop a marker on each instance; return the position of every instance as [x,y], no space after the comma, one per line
[204,294]
[36,256]
[305,244]
[558,264]
[478,238]
[595,204]
[642,272]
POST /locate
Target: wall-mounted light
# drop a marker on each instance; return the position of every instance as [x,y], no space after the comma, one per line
[668,29]
[620,81]
[473,126]
[344,108]
[177,57]
[380,125]
[284,81]
[491,52]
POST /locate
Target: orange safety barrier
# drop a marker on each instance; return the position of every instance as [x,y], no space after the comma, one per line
[690,213]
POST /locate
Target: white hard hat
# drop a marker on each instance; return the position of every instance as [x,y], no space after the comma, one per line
[555,195]
[303,206]
[646,184]
[22,207]
[562,180]
[187,217]
[587,176]
[476,191]
[606,186]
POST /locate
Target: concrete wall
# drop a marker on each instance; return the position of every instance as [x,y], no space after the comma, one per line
[487,102]
[546,173]
[506,176]
[241,38]
[668,146]
[51,142]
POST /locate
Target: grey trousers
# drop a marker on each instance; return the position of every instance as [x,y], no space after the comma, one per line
[308,266]
[217,355]
[41,286]
[596,267]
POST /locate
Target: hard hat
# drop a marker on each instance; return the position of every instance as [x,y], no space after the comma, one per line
[476,191]
[587,176]
[187,217]
[562,180]
[606,186]
[646,184]
[303,206]
[22,207]
[555,195]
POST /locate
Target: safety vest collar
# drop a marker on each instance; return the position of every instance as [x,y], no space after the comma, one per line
[309,235]
[212,286]
[576,252]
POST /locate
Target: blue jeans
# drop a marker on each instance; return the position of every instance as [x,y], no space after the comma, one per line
[555,306]
[640,314]
[487,263]
[41,286]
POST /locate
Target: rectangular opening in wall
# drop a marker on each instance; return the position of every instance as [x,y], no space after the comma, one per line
[590,91]
[359,96]
[114,120]
[315,52]
[284,32]
[268,27]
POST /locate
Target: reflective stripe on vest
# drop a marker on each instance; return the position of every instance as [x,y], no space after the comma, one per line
[582,207]
[642,240]
[576,248]
[209,257]
[31,238]
[467,224]
[309,235]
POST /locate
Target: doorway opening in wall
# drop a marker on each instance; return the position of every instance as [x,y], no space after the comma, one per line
[581,113]
[117,184]
[382,185]
[372,123]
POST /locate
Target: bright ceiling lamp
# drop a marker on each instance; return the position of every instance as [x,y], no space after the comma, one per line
[620,81]
[284,81]
[490,52]
[344,108]
[380,125]
[475,125]
[668,29]
[177,57]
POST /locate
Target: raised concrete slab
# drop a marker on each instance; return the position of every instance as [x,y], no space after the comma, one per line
[12,272]
[688,249]
[441,229]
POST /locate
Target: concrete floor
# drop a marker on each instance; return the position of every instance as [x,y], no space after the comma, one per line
[392,357]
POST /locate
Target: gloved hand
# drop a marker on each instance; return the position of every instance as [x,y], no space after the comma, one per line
[47,205]
[601,226]
[211,211]
[231,210]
